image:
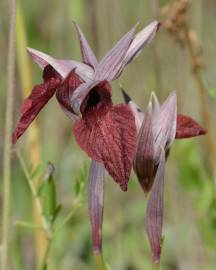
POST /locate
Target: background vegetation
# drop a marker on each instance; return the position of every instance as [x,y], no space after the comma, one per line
[190,185]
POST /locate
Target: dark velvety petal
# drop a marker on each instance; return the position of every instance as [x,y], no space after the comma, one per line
[164,125]
[97,97]
[87,53]
[63,67]
[154,212]
[144,158]
[96,202]
[141,39]
[111,65]
[40,95]
[80,95]
[138,114]
[187,127]
[107,134]
[66,90]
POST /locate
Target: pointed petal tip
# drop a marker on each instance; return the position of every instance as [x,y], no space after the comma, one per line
[124,187]
[172,98]
[32,51]
[155,25]
[28,49]
[88,55]
[187,127]
[126,97]
[76,25]
[159,25]
[14,138]
[204,131]
[154,98]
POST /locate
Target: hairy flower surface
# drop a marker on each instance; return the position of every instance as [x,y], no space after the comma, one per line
[106,132]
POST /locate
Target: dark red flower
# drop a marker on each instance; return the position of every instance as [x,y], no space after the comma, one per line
[106,132]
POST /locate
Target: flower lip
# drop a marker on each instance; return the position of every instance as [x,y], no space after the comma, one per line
[99,95]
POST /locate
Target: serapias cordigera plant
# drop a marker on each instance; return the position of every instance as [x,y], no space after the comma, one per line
[106,132]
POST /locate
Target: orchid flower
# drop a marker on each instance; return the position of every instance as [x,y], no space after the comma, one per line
[157,128]
[106,132]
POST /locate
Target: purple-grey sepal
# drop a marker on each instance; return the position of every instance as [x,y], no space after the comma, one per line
[88,56]
[154,212]
[144,159]
[63,67]
[96,202]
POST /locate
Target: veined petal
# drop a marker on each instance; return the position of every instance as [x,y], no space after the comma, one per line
[65,92]
[188,127]
[108,134]
[38,98]
[84,71]
[96,202]
[164,125]
[87,53]
[138,114]
[144,157]
[111,65]
[154,212]
[63,67]
[143,38]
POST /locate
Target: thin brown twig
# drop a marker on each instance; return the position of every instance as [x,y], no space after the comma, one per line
[156,56]
[204,100]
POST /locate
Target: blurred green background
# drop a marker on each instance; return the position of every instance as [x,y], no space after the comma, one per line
[190,206]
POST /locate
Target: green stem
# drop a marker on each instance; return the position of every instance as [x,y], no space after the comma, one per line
[7,142]
[46,254]
[99,261]
[45,223]
[155,266]
[27,225]
[77,203]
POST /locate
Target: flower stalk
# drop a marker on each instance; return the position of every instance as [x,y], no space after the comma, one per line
[44,198]
[99,261]
[7,137]
[155,266]
[32,136]
[46,225]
